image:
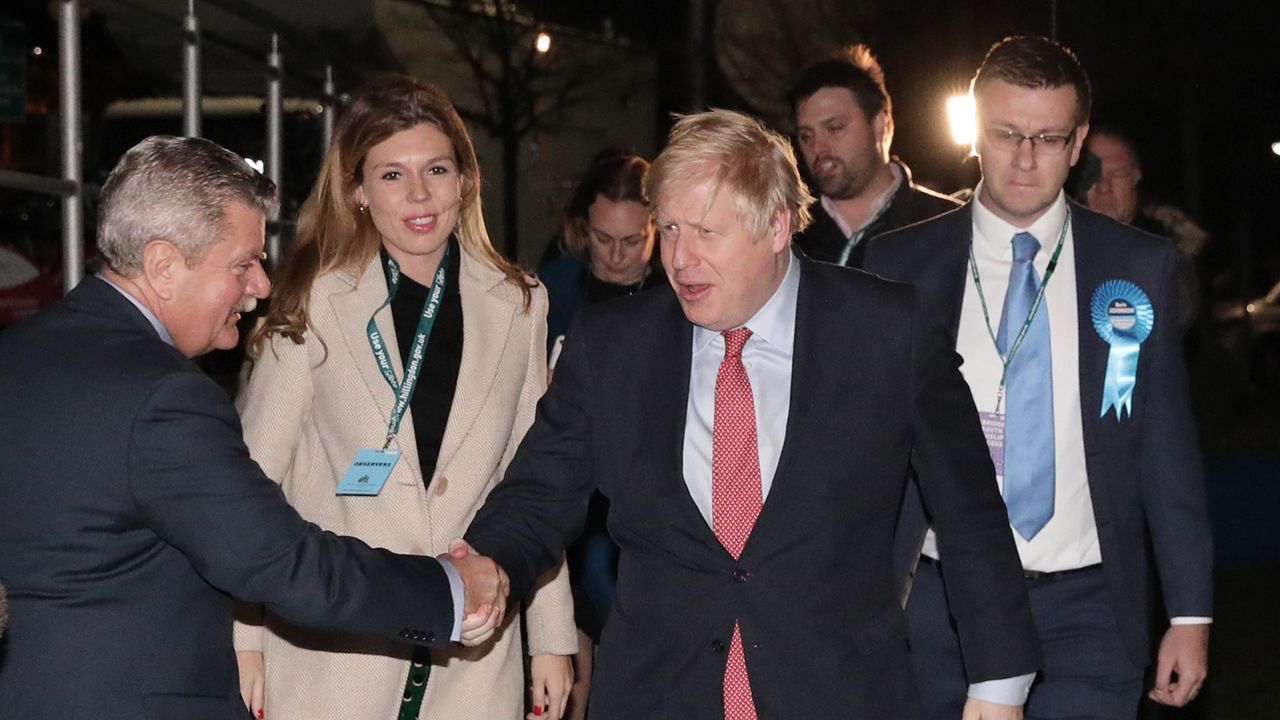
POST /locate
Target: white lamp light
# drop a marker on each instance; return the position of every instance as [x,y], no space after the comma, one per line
[964,123]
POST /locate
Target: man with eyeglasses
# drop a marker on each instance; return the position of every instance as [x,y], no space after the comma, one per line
[1067,325]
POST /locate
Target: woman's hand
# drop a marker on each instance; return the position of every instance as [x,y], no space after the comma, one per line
[253,680]
[552,676]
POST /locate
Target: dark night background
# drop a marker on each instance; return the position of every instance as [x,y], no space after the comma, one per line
[1196,84]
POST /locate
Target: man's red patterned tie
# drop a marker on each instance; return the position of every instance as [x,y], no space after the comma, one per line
[735,495]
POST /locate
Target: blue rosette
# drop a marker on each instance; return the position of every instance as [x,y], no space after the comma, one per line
[1123,316]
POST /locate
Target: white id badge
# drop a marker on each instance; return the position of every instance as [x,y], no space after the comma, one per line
[369,472]
[993,429]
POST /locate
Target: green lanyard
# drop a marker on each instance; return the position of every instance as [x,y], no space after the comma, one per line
[1006,360]
[404,390]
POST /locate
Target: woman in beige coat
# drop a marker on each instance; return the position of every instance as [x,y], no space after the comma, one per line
[392,254]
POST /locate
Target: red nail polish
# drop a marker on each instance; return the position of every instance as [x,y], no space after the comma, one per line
[261,714]
[537,709]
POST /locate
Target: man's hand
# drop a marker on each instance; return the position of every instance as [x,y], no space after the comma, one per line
[975,709]
[486,587]
[1184,652]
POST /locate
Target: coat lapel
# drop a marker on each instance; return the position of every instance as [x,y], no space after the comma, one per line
[352,308]
[489,307]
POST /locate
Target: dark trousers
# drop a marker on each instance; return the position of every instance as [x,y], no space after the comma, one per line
[1087,674]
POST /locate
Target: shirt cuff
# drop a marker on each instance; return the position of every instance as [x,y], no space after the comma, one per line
[1005,691]
[459,597]
[1190,620]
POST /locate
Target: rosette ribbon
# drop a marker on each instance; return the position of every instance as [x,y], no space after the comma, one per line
[1123,316]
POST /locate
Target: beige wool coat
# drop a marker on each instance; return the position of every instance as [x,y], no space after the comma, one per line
[308,408]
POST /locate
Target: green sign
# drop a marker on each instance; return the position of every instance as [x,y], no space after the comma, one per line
[13,69]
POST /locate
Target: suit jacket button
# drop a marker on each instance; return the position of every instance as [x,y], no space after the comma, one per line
[717,646]
[430,636]
[740,576]
[406,633]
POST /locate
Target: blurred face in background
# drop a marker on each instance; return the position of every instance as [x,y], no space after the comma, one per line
[620,240]
[841,148]
[1115,194]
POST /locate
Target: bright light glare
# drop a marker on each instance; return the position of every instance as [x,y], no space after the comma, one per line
[964,125]
[258,165]
[1275,147]
[542,43]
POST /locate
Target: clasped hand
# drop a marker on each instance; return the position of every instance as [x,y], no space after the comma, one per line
[486,586]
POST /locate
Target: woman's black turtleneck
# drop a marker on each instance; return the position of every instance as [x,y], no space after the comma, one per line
[433,397]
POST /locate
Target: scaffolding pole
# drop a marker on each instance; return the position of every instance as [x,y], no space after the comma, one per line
[329,104]
[275,137]
[191,89]
[69,115]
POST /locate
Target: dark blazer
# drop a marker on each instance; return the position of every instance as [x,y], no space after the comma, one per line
[874,387]
[1144,471]
[824,240]
[131,514]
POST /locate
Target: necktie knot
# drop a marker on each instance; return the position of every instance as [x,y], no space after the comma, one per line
[1025,247]
[734,340]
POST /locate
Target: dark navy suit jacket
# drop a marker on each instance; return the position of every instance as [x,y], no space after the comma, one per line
[874,386]
[131,514]
[1145,476]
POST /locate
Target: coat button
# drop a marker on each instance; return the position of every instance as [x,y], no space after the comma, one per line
[440,485]
[429,636]
[406,633]
[717,646]
[740,576]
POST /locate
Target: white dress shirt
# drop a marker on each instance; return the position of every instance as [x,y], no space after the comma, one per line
[1070,539]
[767,358]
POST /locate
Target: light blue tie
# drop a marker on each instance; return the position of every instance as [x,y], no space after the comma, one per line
[1029,454]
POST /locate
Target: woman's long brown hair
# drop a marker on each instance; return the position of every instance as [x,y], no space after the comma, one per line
[333,234]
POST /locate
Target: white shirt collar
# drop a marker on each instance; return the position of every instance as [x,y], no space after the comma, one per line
[997,234]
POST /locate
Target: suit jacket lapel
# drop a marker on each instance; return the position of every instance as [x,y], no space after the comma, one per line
[809,383]
[1091,265]
[666,412]
[948,270]
[489,307]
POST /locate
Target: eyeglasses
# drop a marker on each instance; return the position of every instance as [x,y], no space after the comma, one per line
[1010,141]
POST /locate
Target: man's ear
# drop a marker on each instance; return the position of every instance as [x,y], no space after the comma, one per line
[1082,132]
[162,265]
[882,131]
[780,231]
